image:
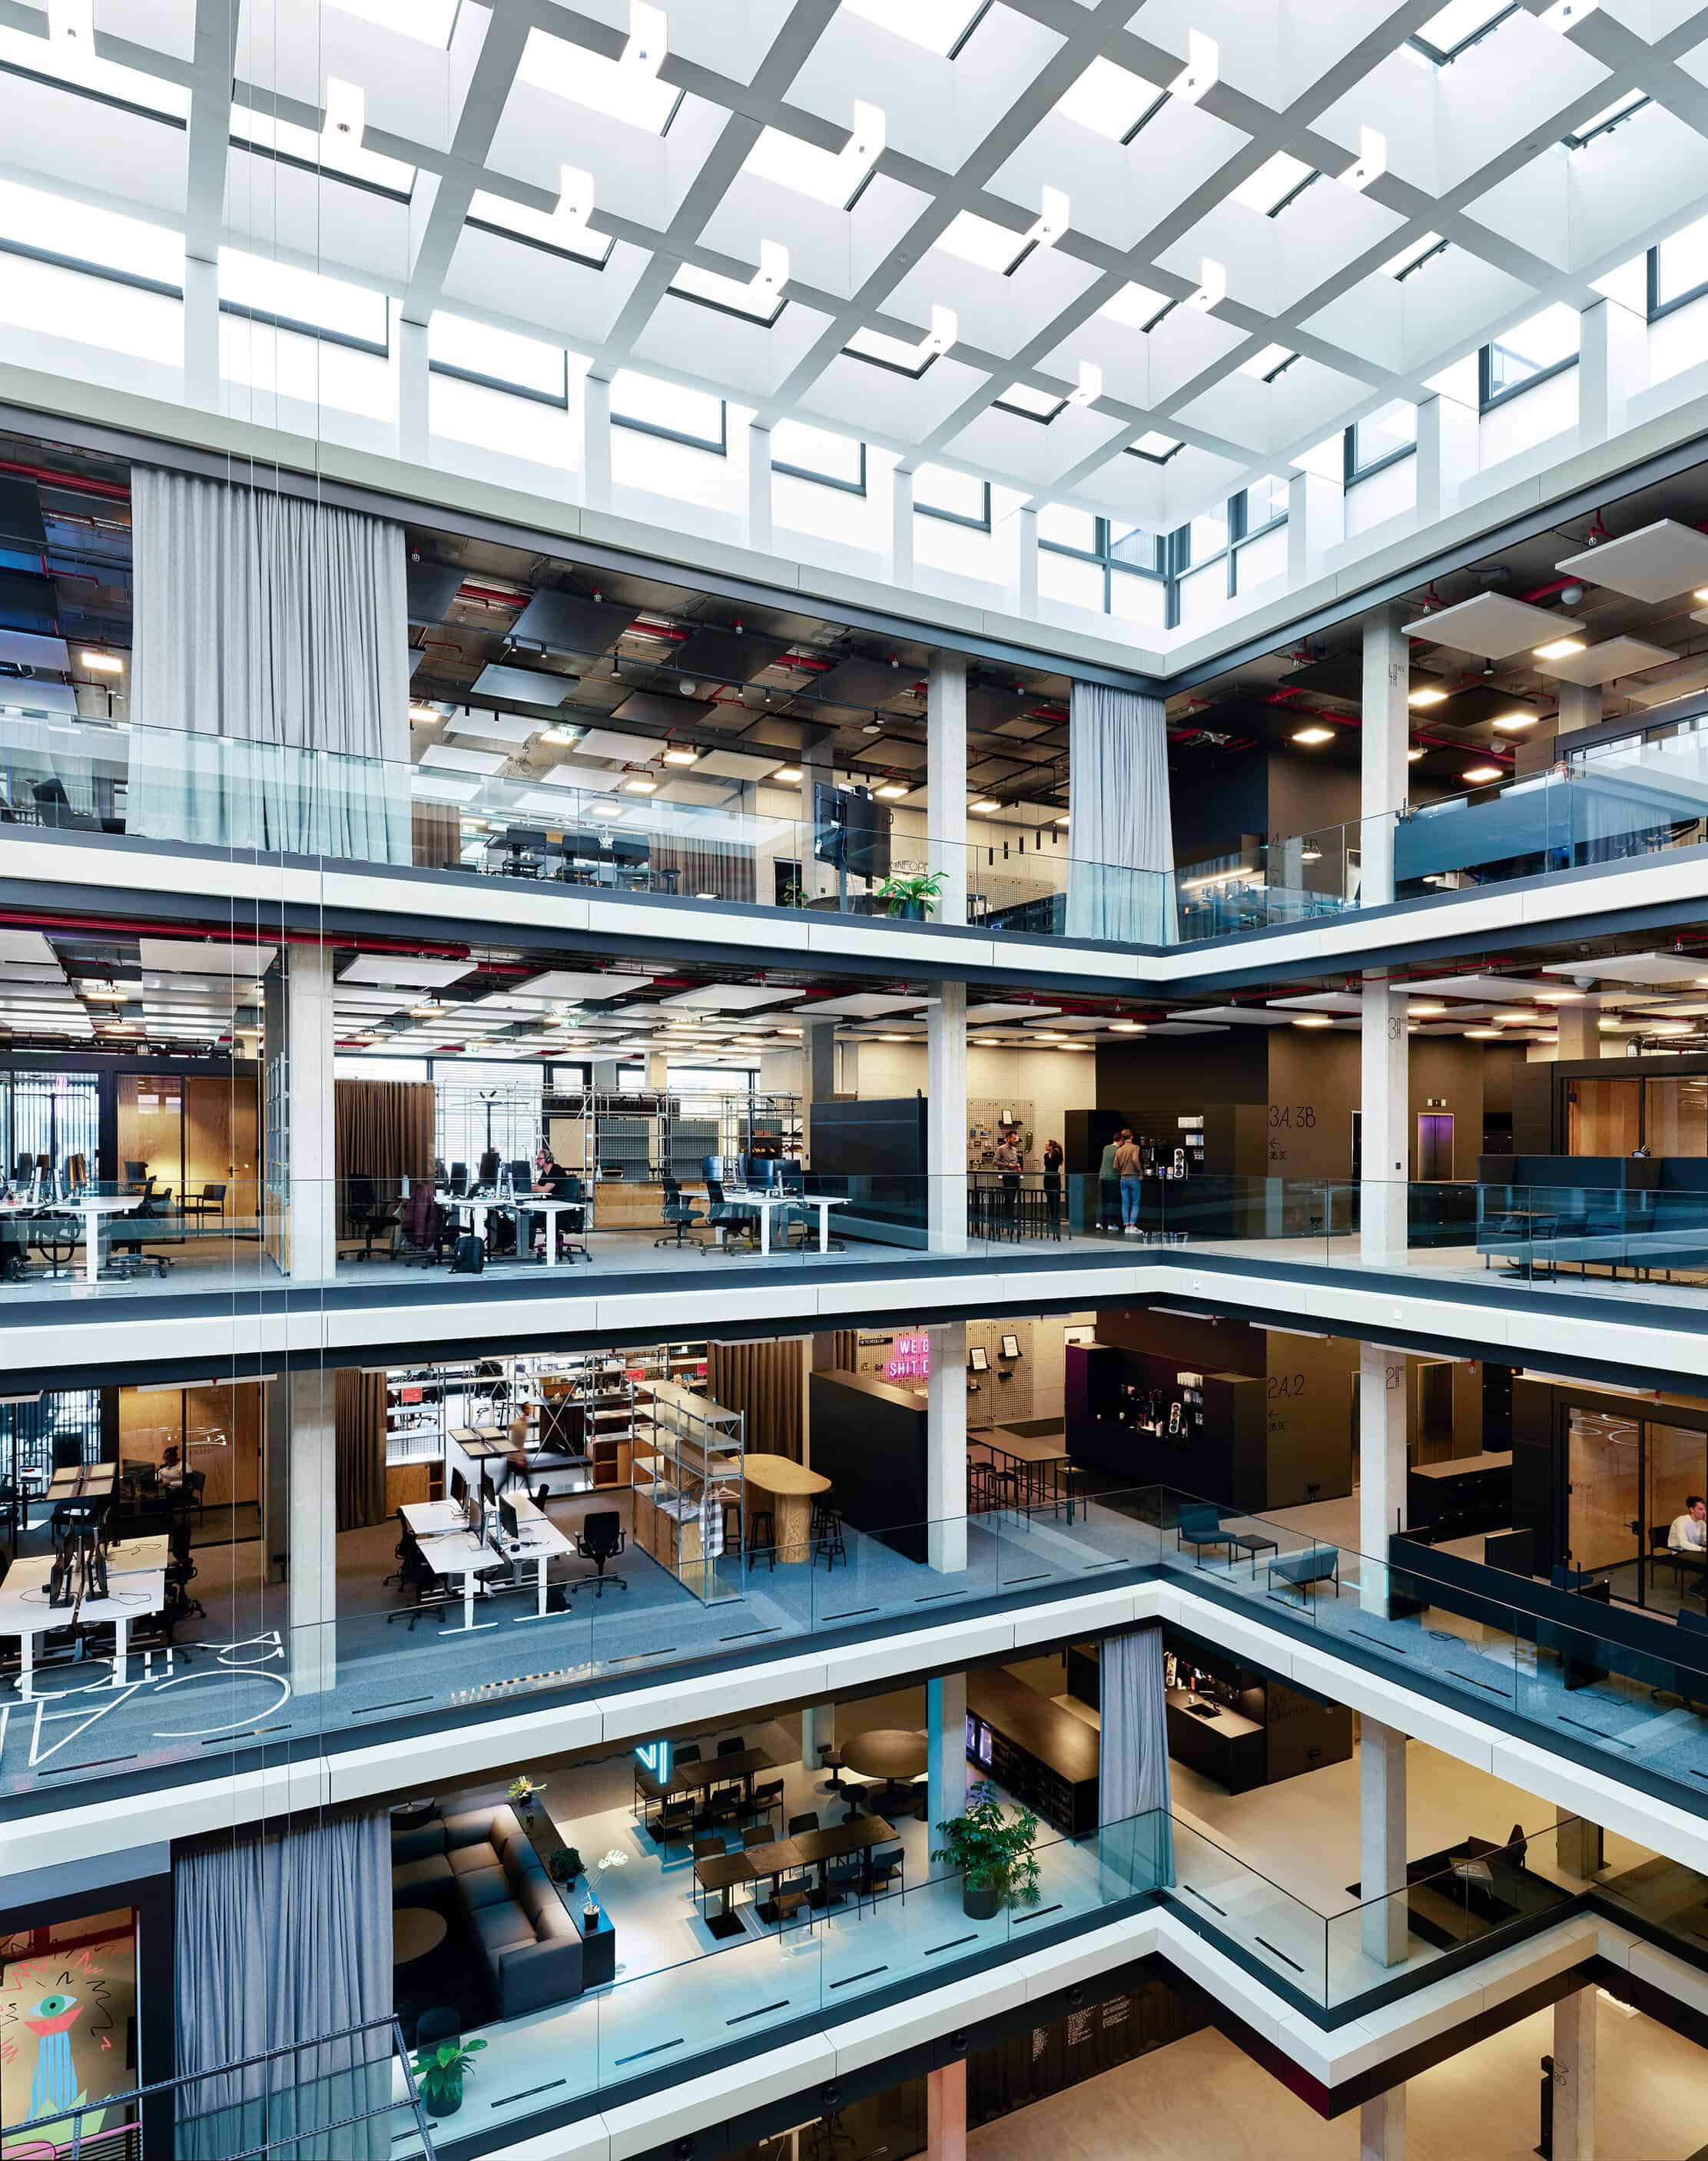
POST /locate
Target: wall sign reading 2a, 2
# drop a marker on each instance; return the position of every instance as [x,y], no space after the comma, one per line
[1296,1117]
[240,1693]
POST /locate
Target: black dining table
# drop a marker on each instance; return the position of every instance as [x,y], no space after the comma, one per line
[721,1770]
[806,1848]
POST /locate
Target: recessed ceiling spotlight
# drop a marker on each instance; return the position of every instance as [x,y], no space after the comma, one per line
[984,803]
[1310,738]
[684,755]
[1128,1026]
[1477,775]
[787,772]
[1427,697]
[1558,649]
[1413,755]
[1312,1020]
[640,787]
[1482,1033]
[892,791]
[103,664]
[1512,724]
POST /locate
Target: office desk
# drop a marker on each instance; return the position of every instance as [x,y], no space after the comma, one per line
[764,1201]
[459,1554]
[541,1541]
[475,1210]
[806,1848]
[136,1583]
[91,1210]
[742,1763]
[439,1527]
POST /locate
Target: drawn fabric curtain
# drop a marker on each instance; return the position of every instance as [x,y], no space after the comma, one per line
[270,678]
[1121,876]
[1133,1793]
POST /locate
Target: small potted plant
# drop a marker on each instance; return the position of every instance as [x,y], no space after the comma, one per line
[616,1858]
[524,1794]
[439,2073]
[913,894]
[992,1852]
[564,1864]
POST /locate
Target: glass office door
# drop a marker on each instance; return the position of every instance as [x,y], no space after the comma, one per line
[1603,1500]
[1675,1465]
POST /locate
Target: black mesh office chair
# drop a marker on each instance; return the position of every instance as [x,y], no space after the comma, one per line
[600,1540]
[739,1227]
[681,1215]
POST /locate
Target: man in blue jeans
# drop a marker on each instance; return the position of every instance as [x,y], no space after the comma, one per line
[1129,1168]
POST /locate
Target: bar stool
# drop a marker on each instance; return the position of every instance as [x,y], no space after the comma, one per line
[827,1537]
[761,1537]
[830,1759]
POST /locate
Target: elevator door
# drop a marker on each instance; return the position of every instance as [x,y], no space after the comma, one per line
[1434,1144]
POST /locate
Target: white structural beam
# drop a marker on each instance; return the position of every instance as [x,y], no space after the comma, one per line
[945,781]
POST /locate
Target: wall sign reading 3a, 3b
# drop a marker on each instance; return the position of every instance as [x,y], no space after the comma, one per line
[1294,1117]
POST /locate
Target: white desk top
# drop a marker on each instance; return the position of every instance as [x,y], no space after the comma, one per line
[23,1596]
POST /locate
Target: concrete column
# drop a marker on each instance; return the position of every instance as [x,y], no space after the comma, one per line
[946,1760]
[759,524]
[945,1446]
[1613,366]
[1382,1841]
[1381,1460]
[301,1426]
[1384,738]
[596,444]
[1575,2076]
[901,530]
[1385,1123]
[1550,740]
[945,781]
[1447,455]
[314,1208]
[1026,593]
[201,333]
[945,1122]
[1381,2127]
[946,2112]
[818,1730]
[1579,1847]
[818,1073]
[412,393]
[1317,521]
[1580,1031]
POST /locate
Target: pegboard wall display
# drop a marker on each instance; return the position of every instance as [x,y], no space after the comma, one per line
[990,1119]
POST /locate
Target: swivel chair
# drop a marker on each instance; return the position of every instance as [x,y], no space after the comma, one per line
[681,1215]
[600,1540]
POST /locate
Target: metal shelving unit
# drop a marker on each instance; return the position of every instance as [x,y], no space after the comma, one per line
[685,1443]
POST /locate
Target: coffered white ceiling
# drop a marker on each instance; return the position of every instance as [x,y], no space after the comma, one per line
[1308,159]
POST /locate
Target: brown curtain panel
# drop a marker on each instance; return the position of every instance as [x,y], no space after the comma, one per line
[384,1132]
[436,833]
[359,1415]
[765,1381]
[847,1343]
[722,867]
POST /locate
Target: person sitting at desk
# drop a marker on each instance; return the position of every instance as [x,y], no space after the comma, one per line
[1688,1534]
[172,1469]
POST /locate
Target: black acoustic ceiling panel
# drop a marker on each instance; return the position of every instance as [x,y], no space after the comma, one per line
[651,709]
[1342,677]
[861,683]
[733,656]
[571,622]
[432,588]
[28,602]
[989,706]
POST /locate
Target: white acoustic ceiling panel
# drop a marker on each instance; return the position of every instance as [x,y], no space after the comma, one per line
[1493,626]
[28,946]
[528,686]
[1687,680]
[1252,1016]
[1604,663]
[626,750]
[1335,1002]
[386,968]
[994,1011]
[495,728]
[736,765]
[1652,563]
[731,997]
[1186,1028]
[1634,968]
[1075,1022]
[445,758]
[205,956]
[1499,990]
[569,983]
[858,1005]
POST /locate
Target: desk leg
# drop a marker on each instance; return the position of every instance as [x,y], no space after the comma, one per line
[824,1230]
[26,1666]
[551,1242]
[121,1636]
[91,1249]
[469,1624]
[764,1234]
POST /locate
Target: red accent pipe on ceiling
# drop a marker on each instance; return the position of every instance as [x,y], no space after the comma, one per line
[75,483]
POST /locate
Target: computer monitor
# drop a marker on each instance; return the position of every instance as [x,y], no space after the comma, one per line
[489,1492]
[459,1177]
[522,1175]
[506,1520]
[459,1489]
[760,1172]
[489,1166]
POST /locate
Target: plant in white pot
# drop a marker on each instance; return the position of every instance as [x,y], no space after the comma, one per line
[992,1852]
[616,1858]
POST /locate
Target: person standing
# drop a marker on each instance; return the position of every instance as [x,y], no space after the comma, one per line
[1129,1169]
[1053,1161]
[1108,1191]
[1008,1162]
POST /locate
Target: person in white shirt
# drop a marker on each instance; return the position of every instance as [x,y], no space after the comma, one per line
[1689,1532]
[172,1470]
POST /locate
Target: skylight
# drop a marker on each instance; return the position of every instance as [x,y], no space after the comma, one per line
[540,225]
[1156,448]
[569,71]
[1134,307]
[330,152]
[99,237]
[1459,25]
[1033,404]
[261,287]
[888,351]
[1108,100]
[82,69]
[456,345]
[1267,363]
[431,21]
[977,240]
[788,163]
[1275,180]
[1413,256]
[940,26]
[734,294]
[1610,115]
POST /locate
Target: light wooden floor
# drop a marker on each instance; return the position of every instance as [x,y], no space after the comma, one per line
[1202,2100]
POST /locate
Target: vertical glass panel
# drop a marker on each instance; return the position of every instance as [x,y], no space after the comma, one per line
[1676,1461]
[1604,1498]
[1060,526]
[1675,1115]
[1603,1117]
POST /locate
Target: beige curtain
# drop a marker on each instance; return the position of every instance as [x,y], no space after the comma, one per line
[359,1424]
[722,867]
[384,1132]
[765,1380]
[847,1343]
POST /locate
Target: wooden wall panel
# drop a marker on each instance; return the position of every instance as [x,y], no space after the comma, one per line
[152,1420]
[220,1139]
[150,1129]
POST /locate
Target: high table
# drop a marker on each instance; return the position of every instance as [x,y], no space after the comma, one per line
[698,1778]
[722,1871]
[1031,1455]
[136,1583]
[476,1210]
[789,1486]
[91,1210]
[764,1200]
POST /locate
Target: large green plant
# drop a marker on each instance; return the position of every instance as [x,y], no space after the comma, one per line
[898,893]
[992,1850]
[440,2072]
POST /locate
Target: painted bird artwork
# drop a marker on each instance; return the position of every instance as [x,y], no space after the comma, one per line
[55,2085]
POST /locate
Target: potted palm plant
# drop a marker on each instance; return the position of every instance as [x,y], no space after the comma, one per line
[913,894]
[524,1793]
[439,2073]
[992,1852]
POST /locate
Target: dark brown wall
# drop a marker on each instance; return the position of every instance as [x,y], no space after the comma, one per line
[1308,796]
[1157,1079]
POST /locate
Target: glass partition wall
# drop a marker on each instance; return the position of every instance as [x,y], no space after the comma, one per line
[1628,1479]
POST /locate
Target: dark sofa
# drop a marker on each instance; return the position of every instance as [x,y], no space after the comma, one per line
[480,1865]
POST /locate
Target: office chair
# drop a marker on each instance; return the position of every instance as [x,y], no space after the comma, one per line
[126,1236]
[600,1540]
[524,852]
[630,858]
[53,807]
[135,1173]
[417,1574]
[731,1223]
[419,1232]
[579,858]
[76,1173]
[680,1214]
[197,1207]
[181,1573]
[567,1187]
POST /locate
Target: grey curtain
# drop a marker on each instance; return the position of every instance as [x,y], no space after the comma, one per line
[1132,1777]
[1121,876]
[270,682]
[284,1938]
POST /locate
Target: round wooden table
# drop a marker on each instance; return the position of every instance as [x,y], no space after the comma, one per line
[415,1931]
[889,1754]
[788,1487]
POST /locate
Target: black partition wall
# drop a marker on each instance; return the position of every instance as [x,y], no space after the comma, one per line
[874,1154]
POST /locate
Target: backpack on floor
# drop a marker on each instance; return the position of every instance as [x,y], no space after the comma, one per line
[468,1256]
